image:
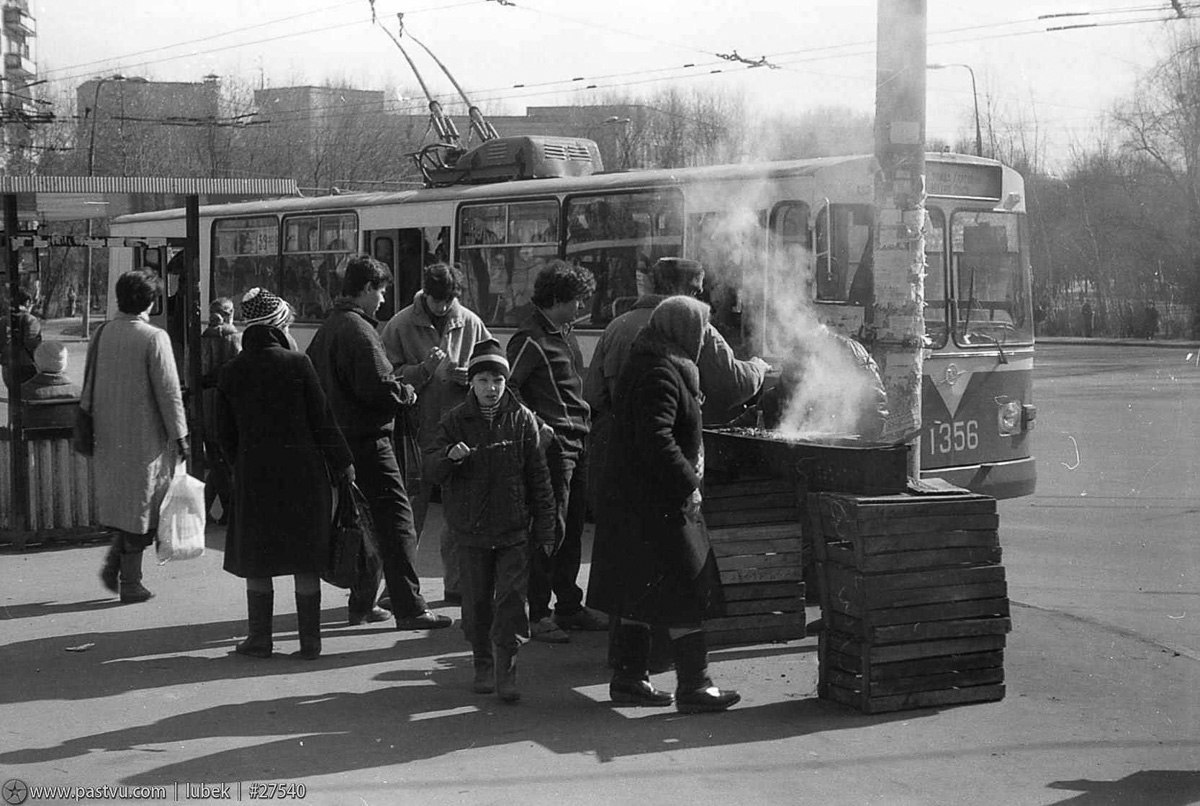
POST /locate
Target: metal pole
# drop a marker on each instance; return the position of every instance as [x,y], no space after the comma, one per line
[974,98]
[19,452]
[91,157]
[899,245]
[189,288]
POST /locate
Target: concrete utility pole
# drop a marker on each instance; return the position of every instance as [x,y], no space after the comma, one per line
[900,204]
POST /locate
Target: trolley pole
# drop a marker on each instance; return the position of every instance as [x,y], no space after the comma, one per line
[899,249]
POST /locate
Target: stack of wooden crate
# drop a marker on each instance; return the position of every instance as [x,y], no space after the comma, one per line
[913,598]
[755,526]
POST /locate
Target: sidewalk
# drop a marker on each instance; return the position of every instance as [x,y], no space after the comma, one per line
[96,693]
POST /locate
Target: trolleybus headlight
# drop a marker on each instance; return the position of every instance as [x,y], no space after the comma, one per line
[1009,418]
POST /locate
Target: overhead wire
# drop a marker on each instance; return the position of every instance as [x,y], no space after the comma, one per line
[680,72]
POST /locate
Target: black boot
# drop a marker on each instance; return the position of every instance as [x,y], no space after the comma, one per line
[308,616]
[132,590]
[260,611]
[111,569]
[485,669]
[696,692]
[630,684]
[506,674]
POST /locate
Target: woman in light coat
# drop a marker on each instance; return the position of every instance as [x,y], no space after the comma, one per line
[140,429]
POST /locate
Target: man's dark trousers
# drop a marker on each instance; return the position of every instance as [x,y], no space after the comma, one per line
[378,475]
[559,574]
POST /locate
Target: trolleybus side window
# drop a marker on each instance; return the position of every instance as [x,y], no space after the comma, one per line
[315,248]
[789,279]
[245,254]
[618,237]
[731,245]
[501,248]
[935,277]
[990,278]
[844,270]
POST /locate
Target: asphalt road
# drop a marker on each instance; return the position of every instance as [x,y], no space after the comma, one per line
[1101,667]
[1112,535]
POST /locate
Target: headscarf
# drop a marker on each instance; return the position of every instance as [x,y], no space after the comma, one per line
[682,321]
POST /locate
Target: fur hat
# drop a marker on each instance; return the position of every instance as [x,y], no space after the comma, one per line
[681,321]
[488,356]
[261,307]
[50,357]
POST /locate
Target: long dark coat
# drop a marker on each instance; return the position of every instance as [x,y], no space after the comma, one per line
[278,434]
[651,559]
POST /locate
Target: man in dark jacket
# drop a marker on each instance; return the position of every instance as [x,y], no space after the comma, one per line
[365,397]
[726,381]
[19,366]
[546,362]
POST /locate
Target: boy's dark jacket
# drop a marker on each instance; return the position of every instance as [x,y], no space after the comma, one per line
[503,486]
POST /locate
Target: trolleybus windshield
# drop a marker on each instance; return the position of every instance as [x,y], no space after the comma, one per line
[990,278]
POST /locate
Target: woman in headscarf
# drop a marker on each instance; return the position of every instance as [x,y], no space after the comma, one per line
[652,562]
[278,434]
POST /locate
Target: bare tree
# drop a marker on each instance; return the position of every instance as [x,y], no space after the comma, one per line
[1161,127]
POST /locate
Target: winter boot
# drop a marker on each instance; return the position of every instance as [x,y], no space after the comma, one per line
[506,674]
[308,616]
[485,670]
[630,684]
[111,569]
[130,585]
[696,692]
[260,610]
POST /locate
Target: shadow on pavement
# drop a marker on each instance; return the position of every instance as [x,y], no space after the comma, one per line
[1160,787]
[418,714]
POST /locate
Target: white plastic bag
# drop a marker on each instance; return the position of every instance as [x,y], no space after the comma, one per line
[181,519]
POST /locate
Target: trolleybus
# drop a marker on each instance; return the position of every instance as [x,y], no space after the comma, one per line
[798,230]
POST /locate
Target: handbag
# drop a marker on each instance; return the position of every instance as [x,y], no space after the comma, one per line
[181,519]
[83,437]
[351,539]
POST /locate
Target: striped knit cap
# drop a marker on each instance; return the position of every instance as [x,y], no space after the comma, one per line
[261,307]
[488,356]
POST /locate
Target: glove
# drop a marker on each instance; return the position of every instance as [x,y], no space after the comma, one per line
[185,451]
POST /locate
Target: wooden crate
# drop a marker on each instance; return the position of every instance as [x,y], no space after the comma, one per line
[918,674]
[755,529]
[914,600]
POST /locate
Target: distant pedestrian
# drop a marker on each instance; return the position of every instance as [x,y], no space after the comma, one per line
[16,349]
[546,364]
[1151,320]
[429,344]
[278,434]
[660,568]
[499,508]
[366,398]
[72,301]
[140,429]
[219,344]
[1089,319]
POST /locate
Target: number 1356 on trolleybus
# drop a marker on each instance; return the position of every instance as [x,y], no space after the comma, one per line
[781,242]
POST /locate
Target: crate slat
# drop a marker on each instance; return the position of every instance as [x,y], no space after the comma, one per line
[845,555]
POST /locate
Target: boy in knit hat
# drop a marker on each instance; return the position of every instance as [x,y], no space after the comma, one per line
[495,484]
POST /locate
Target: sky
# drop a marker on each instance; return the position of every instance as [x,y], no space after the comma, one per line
[823,52]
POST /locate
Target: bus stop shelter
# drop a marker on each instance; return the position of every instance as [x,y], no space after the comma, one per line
[44,199]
